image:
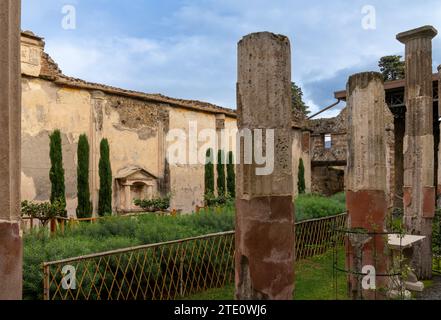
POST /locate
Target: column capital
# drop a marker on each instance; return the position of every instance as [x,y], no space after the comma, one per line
[421,32]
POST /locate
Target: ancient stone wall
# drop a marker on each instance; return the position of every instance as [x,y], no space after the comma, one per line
[135,124]
[328,180]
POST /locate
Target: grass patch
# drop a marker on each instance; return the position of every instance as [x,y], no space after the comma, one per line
[114,233]
[312,206]
[314,281]
[117,232]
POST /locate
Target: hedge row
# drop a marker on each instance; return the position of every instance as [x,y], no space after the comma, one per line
[113,233]
[310,206]
[117,232]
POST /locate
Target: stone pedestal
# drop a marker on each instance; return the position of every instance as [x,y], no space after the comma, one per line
[10,153]
[264,205]
[366,186]
[419,190]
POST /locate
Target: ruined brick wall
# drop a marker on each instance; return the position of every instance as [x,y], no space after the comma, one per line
[328,180]
[336,128]
[328,162]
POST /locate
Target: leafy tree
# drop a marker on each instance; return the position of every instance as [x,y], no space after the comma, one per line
[220,173]
[105,172]
[84,208]
[392,68]
[297,102]
[301,178]
[209,172]
[43,211]
[231,176]
[56,173]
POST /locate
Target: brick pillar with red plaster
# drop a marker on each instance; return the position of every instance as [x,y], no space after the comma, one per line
[264,261]
[10,120]
[419,190]
[366,186]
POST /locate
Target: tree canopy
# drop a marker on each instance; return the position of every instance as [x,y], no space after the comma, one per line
[392,68]
[297,102]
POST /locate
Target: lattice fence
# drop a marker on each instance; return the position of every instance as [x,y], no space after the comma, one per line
[169,270]
[315,237]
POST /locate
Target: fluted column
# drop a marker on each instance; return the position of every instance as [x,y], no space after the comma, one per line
[419,190]
[264,205]
[10,153]
[366,179]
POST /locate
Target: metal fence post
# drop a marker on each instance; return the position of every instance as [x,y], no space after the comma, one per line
[46,282]
[181,273]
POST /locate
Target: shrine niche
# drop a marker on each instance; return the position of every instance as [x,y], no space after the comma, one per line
[132,183]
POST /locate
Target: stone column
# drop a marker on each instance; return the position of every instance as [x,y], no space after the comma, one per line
[366,187]
[438,189]
[10,120]
[419,190]
[264,205]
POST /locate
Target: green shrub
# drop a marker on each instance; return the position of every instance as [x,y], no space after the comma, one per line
[84,207]
[105,173]
[220,173]
[310,206]
[120,232]
[44,211]
[56,172]
[436,235]
[212,201]
[301,178]
[340,197]
[114,233]
[209,172]
[153,205]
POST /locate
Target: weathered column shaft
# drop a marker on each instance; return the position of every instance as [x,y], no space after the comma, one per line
[419,190]
[10,120]
[438,189]
[264,205]
[366,185]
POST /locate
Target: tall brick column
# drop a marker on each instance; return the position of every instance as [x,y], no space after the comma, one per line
[264,205]
[419,190]
[366,180]
[10,120]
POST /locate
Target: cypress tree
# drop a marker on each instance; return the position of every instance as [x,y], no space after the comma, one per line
[301,178]
[56,173]
[209,172]
[105,172]
[231,176]
[220,173]
[84,208]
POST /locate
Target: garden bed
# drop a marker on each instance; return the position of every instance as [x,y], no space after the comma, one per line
[121,232]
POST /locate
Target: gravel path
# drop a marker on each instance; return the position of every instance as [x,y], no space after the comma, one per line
[433,292]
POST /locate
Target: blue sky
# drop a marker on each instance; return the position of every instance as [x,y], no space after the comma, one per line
[187,49]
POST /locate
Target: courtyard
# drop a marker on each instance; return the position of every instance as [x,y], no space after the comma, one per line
[113,193]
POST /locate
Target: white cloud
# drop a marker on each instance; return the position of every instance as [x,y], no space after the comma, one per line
[193,55]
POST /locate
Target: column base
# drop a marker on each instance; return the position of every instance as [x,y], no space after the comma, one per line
[11,260]
[265,248]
